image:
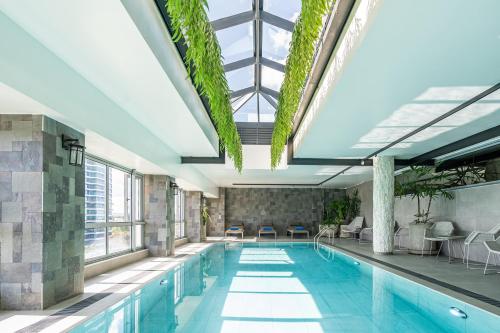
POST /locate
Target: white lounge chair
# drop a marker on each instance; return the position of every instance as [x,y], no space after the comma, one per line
[352,228]
[478,238]
[235,229]
[493,247]
[441,231]
[267,229]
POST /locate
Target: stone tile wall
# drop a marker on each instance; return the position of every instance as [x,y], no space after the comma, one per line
[217,213]
[192,214]
[63,216]
[41,241]
[158,215]
[278,206]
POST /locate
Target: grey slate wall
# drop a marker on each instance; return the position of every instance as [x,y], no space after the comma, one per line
[192,214]
[158,215]
[41,241]
[63,216]
[279,206]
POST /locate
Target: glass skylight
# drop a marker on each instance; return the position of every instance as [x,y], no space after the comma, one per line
[241,78]
[219,8]
[271,78]
[254,36]
[275,43]
[236,42]
[289,10]
[247,112]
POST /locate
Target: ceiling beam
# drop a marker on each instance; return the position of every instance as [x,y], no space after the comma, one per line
[272,64]
[242,92]
[246,99]
[221,159]
[277,21]
[270,100]
[270,92]
[239,64]
[231,21]
[458,145]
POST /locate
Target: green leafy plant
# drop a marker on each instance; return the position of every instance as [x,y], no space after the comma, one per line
[422,182]
[340,210]
[190,21]
[298,65]
[205,216]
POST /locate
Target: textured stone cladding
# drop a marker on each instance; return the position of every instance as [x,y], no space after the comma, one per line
[278,206]
[41,214]
[192,214]
[216,211]
[158,214]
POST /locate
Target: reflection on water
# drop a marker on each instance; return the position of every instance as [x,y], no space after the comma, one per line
[284,287]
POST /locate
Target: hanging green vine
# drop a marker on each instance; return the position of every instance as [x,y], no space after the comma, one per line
[189,20]
[298,65]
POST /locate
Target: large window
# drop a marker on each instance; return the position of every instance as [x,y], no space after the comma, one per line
[113,210]
[180,222]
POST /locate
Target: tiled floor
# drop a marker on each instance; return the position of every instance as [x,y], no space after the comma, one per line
[99,293]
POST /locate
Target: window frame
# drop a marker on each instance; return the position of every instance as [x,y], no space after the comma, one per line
[132,223]
[182,212]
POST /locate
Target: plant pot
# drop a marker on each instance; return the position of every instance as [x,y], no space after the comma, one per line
[416,237]
[331,226]
[203,232]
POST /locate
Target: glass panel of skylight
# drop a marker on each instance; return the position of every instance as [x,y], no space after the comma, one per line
[272,78]
[275,43]
[287,9]
[248,112]
[239,101]
[236,42]
[240,78]
[218,9]
[266,110]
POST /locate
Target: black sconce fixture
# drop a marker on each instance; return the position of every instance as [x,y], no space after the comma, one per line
[174,187]
[76,150]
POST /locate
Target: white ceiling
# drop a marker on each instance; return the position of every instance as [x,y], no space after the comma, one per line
[401,64]
[42,71]
[109,69]
[100,41]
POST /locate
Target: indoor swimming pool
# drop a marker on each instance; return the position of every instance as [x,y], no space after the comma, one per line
[286,287]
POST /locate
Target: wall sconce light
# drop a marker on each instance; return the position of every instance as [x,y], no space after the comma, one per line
[174,187]
[76,150]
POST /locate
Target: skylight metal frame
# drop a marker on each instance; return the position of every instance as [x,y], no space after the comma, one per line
[258,16]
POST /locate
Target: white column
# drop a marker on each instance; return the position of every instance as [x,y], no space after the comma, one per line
[383,204]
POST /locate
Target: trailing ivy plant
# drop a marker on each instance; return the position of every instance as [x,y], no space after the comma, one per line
[298,65]
[190,21]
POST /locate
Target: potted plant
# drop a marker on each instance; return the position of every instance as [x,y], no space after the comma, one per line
[421,183]
[341,211]
[205,218]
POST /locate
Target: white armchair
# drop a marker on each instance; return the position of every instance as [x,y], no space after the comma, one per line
[352,228]
[441,231]
[478,238]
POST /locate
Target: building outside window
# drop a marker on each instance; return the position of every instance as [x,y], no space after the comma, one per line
[180,222]
[113,210]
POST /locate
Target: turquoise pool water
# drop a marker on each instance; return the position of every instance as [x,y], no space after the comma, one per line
[289,288]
